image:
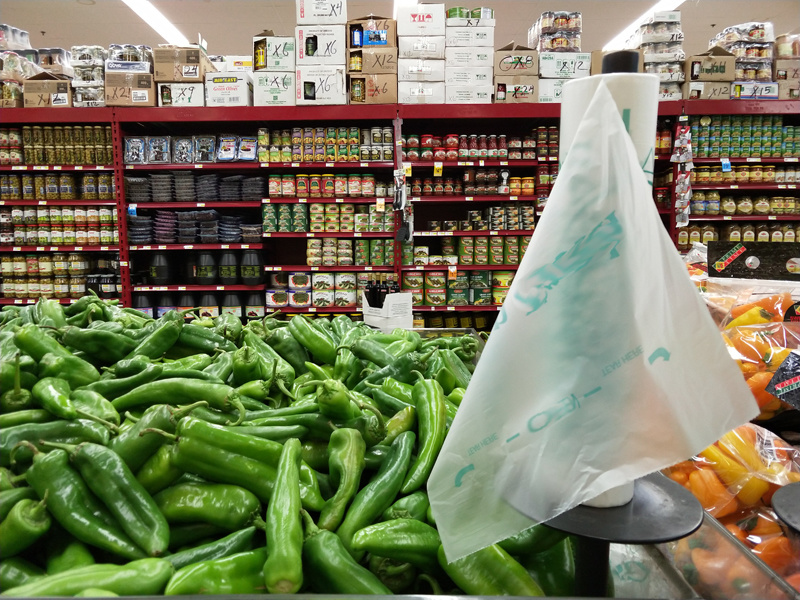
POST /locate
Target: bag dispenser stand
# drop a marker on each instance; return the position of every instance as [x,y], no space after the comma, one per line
[786,504]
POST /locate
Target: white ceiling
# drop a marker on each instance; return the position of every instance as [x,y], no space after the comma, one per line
[228,25]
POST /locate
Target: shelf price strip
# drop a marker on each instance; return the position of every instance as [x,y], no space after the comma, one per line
[729,257]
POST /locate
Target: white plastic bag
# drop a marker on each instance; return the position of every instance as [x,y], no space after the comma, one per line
[603,366]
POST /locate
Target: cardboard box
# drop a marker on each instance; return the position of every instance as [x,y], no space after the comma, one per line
[515,59]
[375,31]
[564,65]
[469,37]
[273,53]
[411,69]
[320,85]
[550,90]
[128,66]
[181,94]
[421,19]
[469,22]
[421,47]
[327,42]
[239,62]
[707,90]
[516,89]
[672,92]
[274,89]
[173,63]
[467,76]
[754,90]
[715,65]
[469,57]
[229,89]
[130,89]
[377,89]
[472,94]
[597,62]
[787,69]
[427,92]
[376,61]
[321,12]
[47,90]
[789,90]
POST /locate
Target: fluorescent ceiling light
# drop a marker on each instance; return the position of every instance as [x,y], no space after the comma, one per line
[618,43]
[153,17]
[399,3]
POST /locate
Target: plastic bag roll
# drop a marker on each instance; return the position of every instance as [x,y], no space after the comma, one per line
[636,97]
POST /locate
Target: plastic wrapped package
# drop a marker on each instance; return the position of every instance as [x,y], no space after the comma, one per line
[88,96]
[204,148]
[787,46]
[754,31]
[182,150]
[12,90]
[87,56]
[158,150]
[12,38]
[17,68]
[135,150]
[753,70]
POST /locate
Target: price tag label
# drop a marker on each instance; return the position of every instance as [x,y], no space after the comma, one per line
[41,248]
[220,288]
[726,165]
[266,200]
[162,247]
[683,119]
[129,166]
[19,249]
[467,198]
[754,160]
[446,233]
[19,168]
[781,186]
[792,159]
[772,218]
[57,168]
[368,268]
[42,202]
[224,246]
[267,234]
[357,234]
[145,247]
[415,199]
[328,164]
[437,169]
[364,164]
[734,187]
[200,204]
[245,246]
[407,169]
[380,205]
[315,268]
[492,233]
[513,198]
[503,163]
[79,168]
[294,164]
[727,218]
[309,235]
[198,166]
[792,187]
[41,168]
[302,200]
[123,263]
[182,288]
[481,163]
[188,247]
[312,309]
[339,200]
[451,308]
[433,309]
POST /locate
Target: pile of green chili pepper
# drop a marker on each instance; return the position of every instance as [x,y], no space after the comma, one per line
[144,456]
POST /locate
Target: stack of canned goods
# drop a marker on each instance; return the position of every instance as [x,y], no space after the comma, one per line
[58,225]
[57,186]
[746,232]
[328,185]
[745,174]
[57,145]
[332,252]
[478,250]
[326,144]
[467,288]
[464,147]
[58,275]
[320,290]
[509,216]
[330,218]
[711,203]
[744,136]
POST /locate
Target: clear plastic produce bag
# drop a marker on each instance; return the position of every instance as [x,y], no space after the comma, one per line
[604,364]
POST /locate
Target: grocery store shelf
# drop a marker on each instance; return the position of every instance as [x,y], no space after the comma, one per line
[249,165]
[477,162]
[197,247]
[487,198]
[491,232]
[314,309]
[256,113]
[10,116]
[735,161]
[56,167]
[331,234]
[198,288]
[744,217]
[468,308]
[740,107]
[59,248]
[464,112]
[344,200]
[210,204]
[336,269]
[747,186]
[33,300]
[460,267]
[57,203]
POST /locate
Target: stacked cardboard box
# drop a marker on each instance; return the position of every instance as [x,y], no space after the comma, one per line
[787,74]
[753,46]
[273,70]
[661,41]
[421,54]
[709,75]
[320,52]
[130,83]
[516,70]
[557,37]
[180,74]
[372,60]
[470,84]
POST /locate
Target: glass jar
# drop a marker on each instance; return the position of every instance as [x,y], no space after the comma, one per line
[463,146]
[768,174]
[775,204]
[742,174]
[77,286]
[439,154]
[763,206]
[427,187]
[451,140]
[60,264]
[744,206]
[45,265]
[426,154]
[727,204]
[61,286]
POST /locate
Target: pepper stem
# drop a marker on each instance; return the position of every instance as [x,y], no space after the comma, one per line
[60,446]
[107,424]
[22,444]
[130,416]
[374,386]
[169,436]
[185,410]
[311,528]
[431,581]
[282,387]
[258,522]
[237,404]
[420,376]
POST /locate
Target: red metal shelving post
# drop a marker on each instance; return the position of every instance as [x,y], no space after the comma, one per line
[122,213]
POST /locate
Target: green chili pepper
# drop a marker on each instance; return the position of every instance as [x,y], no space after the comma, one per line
[400,390]
[114,388]
[111,326]
[334,401]
[319,426]
[428,398]
[92,403]
[348,367]
[346,450]
[8,374]
[105,346]
[315,454]
[276,433]
[197,362]
[131,366]
[26,523]
[80,305]
[8,480]
[75,371]
[183,537]
[145,577]
[283,569]
[402,421]
[538,538]
[158,472]
[401,369]
[387,404]
[490,572]
[161,339]
[457,367]
[405,540]
[9,498]
[52,394]
[238,541]
[228,326]
[456,396]
[95,593]
[17,571]
[320,345]
[204,339]
[36,343]
[284,372]
[368,349]
[241,573]
[222,367]
[553,569]
[398,576]
[228,506]
[375,456]
[65,553]
[189,374]
[249,365]
[341,324]
[288,348]
[23,417]
[413,506]
[66,432]
[75,507]
[17,398]
[330,569]
[183,391]
[112,481]
[378,494]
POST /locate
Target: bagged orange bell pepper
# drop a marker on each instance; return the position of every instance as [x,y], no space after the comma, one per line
[754,316]
[739,479]
[757,384]
[777,304]
[777,553]
[712,494]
